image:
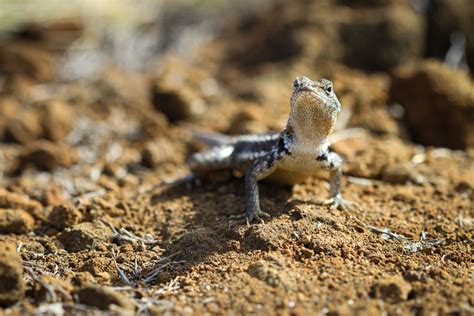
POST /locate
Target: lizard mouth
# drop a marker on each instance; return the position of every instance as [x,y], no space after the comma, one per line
[308,98]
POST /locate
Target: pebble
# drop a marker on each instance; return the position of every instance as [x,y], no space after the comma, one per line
[12,287]
[15,221]
[103,298]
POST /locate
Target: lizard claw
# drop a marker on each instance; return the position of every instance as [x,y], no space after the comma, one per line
[338,202]
[247,217]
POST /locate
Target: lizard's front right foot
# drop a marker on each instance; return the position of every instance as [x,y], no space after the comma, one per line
[247,217]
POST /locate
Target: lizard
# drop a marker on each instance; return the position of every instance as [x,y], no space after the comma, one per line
[288,157]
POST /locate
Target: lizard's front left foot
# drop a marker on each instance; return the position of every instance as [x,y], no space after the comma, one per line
[338,202]
[247,217]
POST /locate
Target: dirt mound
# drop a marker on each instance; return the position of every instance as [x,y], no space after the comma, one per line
[12,287]
[446,120]
[85,236]
[63,216]
[391,289]
[15,221]
[46,156]
[26,59]
[103,299]
[11,200]
[369,37]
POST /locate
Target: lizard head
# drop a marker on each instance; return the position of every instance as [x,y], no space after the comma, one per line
[314,93]
[314,106]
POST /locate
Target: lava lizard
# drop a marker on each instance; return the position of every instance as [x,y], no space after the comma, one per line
[287,157]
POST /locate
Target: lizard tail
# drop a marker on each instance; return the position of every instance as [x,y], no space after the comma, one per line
[208,138]
[218,157]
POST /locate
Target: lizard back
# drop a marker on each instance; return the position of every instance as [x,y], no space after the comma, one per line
[236,154]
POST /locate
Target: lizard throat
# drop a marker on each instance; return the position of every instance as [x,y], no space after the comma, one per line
[311,124]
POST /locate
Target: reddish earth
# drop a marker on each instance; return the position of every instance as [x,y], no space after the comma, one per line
[78,235]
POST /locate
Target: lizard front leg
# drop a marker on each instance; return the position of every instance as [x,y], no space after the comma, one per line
[333,162]
[259,169]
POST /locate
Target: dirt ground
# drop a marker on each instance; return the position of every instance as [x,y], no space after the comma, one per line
[81,233]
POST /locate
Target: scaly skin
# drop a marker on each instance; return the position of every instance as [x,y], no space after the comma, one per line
[287,157]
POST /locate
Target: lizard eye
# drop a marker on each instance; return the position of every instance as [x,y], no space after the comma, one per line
[295,84]
[328,89]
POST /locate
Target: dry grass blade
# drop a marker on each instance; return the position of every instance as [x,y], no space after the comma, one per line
[121,234]
[49,289]
[409,244]
[387,234]
[88,196]
[145,303]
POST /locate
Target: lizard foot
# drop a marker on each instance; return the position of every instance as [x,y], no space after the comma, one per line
[247,217]
[338,202]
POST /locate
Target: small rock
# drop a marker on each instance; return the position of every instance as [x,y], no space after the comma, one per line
[83,279]
[23,128]
[98,265]
[51,120]
[414,275]
[32,248]
[194,245]
[56,119]
[214,308]
[43,294]
[114,170]
[392,289]
[401,174]
[46,156]
[405,195]
[265,273]
[179,91]
[446,228]
[8,109]
[438,102]
[157,152]
[263,237]
[248,121]
[63,216]
[10,200]
[108,183]
[15,222]
[103,298]
[380,153]
[176,102]
[53,196]
[84,236]
[272,274]
[396,30]
[349,147]
[12,287]
[27,59]
[132,87]
[463,187]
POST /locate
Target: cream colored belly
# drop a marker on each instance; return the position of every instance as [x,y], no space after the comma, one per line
[287,177]
[292,171]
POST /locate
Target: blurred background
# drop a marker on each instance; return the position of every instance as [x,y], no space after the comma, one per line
[113,84]
[98,101]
